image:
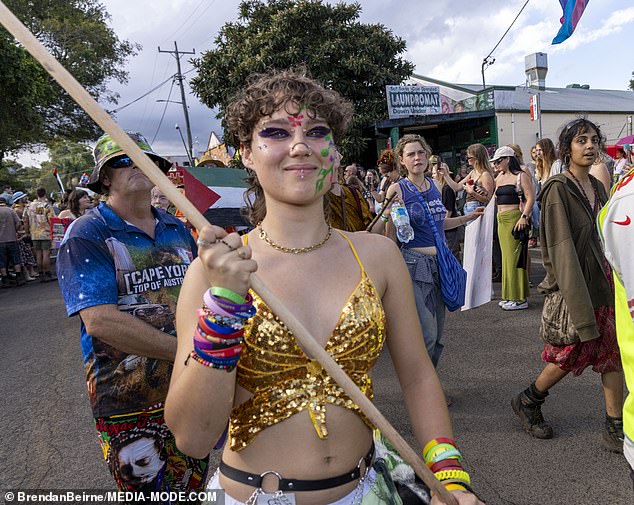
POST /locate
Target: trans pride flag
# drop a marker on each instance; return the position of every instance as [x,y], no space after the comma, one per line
[573,10]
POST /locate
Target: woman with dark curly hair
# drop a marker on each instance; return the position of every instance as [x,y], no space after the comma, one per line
[291,430]
[578,324]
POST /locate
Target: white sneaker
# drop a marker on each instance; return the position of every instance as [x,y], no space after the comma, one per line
[515,305]
[502,303]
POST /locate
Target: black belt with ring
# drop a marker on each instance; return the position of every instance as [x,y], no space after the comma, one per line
[255,480]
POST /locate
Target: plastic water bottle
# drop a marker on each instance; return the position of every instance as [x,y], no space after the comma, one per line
[400,218]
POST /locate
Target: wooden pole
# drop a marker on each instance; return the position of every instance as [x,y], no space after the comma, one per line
[144,163]
[383,209]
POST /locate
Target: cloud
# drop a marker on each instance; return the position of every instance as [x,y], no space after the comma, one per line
[193,24]
[615,23]
[446,40]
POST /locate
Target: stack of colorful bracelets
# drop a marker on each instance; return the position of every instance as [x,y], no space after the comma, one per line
[219,335]
[443,459]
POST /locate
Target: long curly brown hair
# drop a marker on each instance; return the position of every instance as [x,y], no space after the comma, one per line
[265,94]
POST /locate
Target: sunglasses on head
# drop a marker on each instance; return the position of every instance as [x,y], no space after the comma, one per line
[122,162]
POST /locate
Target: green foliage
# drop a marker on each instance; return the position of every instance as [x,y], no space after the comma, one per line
[18,177]
[354,58]
[70,159]
[23,88]
[632,82]
[9,174]
[32,106]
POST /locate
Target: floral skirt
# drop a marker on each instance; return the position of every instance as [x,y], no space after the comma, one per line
[601,353]
[28,260]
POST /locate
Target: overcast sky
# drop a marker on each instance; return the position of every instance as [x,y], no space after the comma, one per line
[446,40]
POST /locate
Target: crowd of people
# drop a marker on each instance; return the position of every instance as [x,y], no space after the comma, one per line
[227,373]
[25,231]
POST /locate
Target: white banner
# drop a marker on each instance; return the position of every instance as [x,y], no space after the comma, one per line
[478,257]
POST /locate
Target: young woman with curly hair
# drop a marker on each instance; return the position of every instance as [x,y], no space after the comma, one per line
[413,154]
[291,429]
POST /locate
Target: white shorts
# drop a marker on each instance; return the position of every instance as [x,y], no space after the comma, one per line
[628,451]
[363,488]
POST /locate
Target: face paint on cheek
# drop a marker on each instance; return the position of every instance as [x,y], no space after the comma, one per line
[329,172]
[263,147]
[323,173]
[332,162]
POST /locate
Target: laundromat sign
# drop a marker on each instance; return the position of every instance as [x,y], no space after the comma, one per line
[404,101]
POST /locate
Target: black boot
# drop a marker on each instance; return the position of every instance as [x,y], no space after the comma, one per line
[613,434]
[528,407]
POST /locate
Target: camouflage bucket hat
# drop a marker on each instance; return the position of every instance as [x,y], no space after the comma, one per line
[106,149]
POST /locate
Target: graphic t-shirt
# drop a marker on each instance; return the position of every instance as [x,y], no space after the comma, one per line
[423,234]
[39,212]
[104,260]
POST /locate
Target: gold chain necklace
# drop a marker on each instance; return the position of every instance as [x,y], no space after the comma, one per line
[419,188]
[292,250]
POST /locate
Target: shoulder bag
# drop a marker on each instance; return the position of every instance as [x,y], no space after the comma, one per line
[453,278]
[556,327]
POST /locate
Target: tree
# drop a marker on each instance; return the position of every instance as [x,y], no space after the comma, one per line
[71,159]
[18,177]
[632,82]
[33,108]
[354,58]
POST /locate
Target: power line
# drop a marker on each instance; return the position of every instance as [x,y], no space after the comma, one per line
[143,119]
[163,115]
[151,83]
[486,62]
[508,29]
[171,77]
[179,77]
[212,36]
[149,92]
[171,37]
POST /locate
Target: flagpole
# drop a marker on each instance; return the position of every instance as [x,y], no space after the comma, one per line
[59,180]
[145,164]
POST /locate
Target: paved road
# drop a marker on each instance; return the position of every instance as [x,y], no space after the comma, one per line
[47,439]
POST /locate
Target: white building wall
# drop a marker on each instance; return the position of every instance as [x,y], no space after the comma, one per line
[516,127]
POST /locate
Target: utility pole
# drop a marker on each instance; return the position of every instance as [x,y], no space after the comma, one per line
[486,62]
[179,77]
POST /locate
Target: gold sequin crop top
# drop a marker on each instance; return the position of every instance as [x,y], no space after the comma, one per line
[283,381]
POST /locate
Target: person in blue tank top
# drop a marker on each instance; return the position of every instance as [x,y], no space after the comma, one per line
[413,154]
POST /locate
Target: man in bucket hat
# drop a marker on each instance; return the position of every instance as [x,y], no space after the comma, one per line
[107,149]
[120,267]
